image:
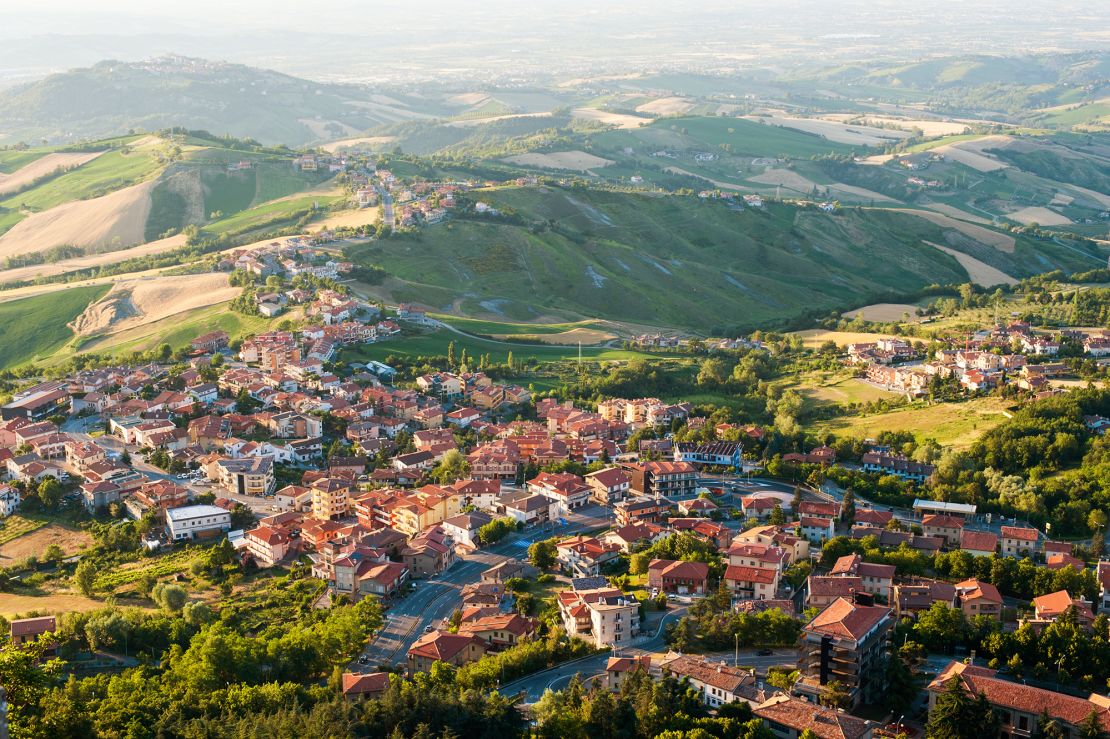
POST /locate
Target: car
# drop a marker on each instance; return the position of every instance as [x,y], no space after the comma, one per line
[765,652]
[429,629]
[363,659]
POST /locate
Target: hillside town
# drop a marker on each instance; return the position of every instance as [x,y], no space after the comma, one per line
[385,491]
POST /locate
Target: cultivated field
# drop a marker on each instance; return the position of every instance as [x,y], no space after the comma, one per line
[883,312]
[114,220]
[928,127]
[794,181]
[365,142]
[585,336]
[666,106]
[1002,242]
[620,120]
[42,167]
[133,303]
[349,218]
[842,133]
[1039,215]
[970,153]
[980,273]
[815,337]
[93,260]
[576,160]
[963,215]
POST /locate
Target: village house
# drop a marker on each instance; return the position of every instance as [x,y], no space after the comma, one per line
[678,577]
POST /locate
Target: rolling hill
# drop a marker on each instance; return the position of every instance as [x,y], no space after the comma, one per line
[678,262]
[112,97]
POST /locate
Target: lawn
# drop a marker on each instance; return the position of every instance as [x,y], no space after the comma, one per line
[435,344]
[12,605]
[845,390]
[36,326]
[951,424]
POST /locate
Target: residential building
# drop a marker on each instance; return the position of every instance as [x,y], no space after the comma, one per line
[364,686]
[977,598]
[603,616]
[442,646]
[876,579]
[789,718]
[608,486]
[848,643]
[197,522]
[641,510]
[619,669]
[1019,541]
[662,479]
[252,476]
[717,683]
[949,528]
[678,577]
[1020,707]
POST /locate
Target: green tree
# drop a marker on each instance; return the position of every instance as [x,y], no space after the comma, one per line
[50,493]
[1091,727]
[169,596]
[453,467]
[84,577]
[778,518]
[835,695]
[542,554]
[958,715]
[638,563]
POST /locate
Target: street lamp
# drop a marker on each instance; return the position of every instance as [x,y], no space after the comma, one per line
[736,649]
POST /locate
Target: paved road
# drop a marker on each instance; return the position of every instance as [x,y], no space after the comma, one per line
[388,217]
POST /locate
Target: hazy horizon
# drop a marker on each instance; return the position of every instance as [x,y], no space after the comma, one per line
[450,40]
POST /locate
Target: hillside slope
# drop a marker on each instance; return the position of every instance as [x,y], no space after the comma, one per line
[677,261]
[112,97]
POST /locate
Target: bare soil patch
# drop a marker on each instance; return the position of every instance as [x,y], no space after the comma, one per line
[70,540]
[842,133]
[133,303]
[93,260]
[350,218]
[803,185]
[666,106]
[970,153]
[56,603]
[963,215]
[1037,214]
[1000,241]
[43,166]
[368,142]
[620,120]
[980,273]
[814,337]
[115,220]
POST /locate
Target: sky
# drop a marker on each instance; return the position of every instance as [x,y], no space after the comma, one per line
[320,38]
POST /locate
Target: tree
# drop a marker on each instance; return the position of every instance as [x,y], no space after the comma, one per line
[169,596]
[835,695]
[638,563]
[1091,727]
[542,554]
[778,518]
[848,510]
[84,577]
[496,530]
[453,467]
[957,715]
[50,493]
[1048,728]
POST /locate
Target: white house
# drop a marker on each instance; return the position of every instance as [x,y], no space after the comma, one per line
[193,521]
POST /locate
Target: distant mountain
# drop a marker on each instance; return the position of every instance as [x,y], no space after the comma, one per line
[113,97]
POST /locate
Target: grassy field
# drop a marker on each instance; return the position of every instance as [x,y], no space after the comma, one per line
[12,159]
[270,215]
[435,344]
[504,328]
[751,138]
[951,424]
[845,390]
[109,171]
[12,605]
[36,326]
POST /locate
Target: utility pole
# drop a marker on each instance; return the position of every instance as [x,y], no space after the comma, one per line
[736,649]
